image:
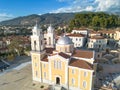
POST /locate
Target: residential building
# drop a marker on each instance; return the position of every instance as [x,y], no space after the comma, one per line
[117,37]
[97,42]
[79,40]
[80,31]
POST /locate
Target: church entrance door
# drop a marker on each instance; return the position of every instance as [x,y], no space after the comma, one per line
[58,80]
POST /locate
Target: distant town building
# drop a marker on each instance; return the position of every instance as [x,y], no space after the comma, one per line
[80,31]
[97,42]
[117,37]
[79,40]
[3,46]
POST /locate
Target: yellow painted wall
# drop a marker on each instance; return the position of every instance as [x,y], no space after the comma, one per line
[36,65]
[58,72]
[65,48]
[85,78]
[45,68]
[74,76]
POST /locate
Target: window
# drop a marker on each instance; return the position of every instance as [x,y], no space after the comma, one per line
[73,71]
[44,65]
[98,55]
[76,39]
[85,74]
[34,33]
[65,49]
[41,42]
[60,65]
[57,64]
[84,84]
[35,45]
[73,81]
[44,74]
[36,73]
[54,64]
[49,41]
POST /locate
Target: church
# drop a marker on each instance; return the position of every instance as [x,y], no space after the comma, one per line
[59,62]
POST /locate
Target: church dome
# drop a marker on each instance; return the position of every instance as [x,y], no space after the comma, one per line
[64,40]
[50,29]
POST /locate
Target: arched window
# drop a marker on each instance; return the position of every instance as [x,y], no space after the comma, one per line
[41,42]
[35,45]
[36,73]
[73,81]
[49,41]
[84,84]
[44,74]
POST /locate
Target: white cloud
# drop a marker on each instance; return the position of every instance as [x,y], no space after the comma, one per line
[5,16]
[89,8]
[67,9]
[89,5]
[106,5]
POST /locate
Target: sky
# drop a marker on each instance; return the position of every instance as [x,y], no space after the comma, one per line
[14,8]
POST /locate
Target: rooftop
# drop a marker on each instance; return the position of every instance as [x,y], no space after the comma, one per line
[83,53]
[81,64]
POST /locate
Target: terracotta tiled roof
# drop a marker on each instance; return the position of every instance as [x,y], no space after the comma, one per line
[64,55]
[49,50]
[83,54]
[94,32]
[45,58]
[97,37]
[81,64]
[76,35]
[107,31]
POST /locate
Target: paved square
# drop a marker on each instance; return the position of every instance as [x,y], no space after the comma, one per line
[20,80]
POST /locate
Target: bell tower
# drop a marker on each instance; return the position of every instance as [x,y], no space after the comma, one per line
[37,52]
[50,37]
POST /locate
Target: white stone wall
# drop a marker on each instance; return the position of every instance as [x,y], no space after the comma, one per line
[78,41]
[97,43]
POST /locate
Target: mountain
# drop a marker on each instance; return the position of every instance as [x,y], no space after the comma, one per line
[56,19]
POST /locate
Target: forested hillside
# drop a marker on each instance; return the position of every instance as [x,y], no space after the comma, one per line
[96,21]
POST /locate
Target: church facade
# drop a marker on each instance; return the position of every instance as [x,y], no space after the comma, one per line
[60,63]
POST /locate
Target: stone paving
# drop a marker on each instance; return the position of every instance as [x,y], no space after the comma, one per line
[20,80]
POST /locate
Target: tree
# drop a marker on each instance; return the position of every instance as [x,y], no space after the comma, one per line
[15,47]
[98,20]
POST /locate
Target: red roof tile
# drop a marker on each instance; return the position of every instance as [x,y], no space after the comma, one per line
[64,55]
[76,35]
[83,53]
[97,37]
[81,64]
[45,58]
[49,50]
